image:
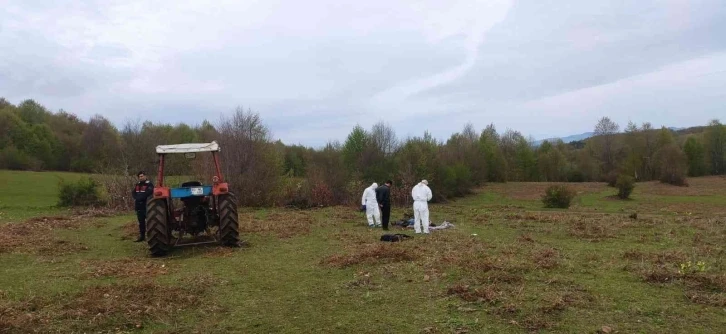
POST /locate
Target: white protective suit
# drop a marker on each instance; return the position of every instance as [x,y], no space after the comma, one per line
[421,194]
[372,211]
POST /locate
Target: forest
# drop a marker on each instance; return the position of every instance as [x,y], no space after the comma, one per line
[265,172]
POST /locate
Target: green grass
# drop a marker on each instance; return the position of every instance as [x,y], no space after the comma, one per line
[28,194]
[559,271]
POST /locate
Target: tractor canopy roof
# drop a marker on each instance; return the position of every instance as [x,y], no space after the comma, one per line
[188,148]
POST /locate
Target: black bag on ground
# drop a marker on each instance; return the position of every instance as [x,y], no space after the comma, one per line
[395,237]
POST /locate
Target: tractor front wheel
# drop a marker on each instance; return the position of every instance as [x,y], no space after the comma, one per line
[228,221]
[158,232]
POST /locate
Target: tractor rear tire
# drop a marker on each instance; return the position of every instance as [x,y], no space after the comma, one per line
[228,221]
[158,232]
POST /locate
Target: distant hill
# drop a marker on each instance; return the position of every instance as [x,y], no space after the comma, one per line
[587,135]
[567,139]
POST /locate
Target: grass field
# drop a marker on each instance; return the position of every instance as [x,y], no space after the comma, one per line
[508,266]
[28,194]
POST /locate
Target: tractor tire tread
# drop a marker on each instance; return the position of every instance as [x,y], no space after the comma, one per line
[228,221]
[157,227]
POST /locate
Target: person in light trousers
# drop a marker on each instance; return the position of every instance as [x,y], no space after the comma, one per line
[421,194]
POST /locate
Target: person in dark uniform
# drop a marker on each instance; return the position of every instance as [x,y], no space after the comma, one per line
[142,191]
[383,196]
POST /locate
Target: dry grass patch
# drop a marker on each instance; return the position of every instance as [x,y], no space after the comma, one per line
[593,230]
[283,224]
[129,231]
[546,258]
[343,214]
[701,186]
[490,293]
[659,267]
[35,236]
[533,190]
[663,267]
[129,267]
[372,254]
[217,252]
[116,307]
[527,308]
[706,289]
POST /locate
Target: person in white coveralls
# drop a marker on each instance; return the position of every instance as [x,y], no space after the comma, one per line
[371,204]
[421,194]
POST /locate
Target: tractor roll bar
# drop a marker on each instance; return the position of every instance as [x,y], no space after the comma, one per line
[160,175]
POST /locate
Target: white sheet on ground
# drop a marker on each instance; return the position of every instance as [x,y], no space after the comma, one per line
[443,226]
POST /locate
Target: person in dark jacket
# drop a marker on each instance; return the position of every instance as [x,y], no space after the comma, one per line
[142,191]
[383,196]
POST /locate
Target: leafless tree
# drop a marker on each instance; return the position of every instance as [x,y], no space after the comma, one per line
[384,139]
[605,131]
[250,161]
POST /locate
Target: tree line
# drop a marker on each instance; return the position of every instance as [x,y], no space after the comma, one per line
[268,172]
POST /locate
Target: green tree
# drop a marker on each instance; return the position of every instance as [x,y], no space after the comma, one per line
[696,156]
[100,143]
[353,149]
[489,146]
[715,142]
[32,113]
[551,163]
[672,165]
[418,159]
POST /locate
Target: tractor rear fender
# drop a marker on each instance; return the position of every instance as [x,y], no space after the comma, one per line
[220,189]
[162,192]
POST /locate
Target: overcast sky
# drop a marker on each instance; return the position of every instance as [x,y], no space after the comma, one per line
[313,69]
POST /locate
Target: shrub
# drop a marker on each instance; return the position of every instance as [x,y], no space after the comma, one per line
[83,192]
[625,185]
[117,191]
[673,164]
[321,195]
[558,196]
[612,178]
[676,179]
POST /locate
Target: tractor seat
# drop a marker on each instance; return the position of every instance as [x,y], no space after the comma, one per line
[191,202]
[191,184]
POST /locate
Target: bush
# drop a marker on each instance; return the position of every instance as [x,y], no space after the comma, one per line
[625,185]
[455,180]
[676,179]
[612,178]
[117,191]
[558,196]
[83,192]
[673,165]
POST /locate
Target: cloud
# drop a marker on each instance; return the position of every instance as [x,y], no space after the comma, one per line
[471,21]
[314,69]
